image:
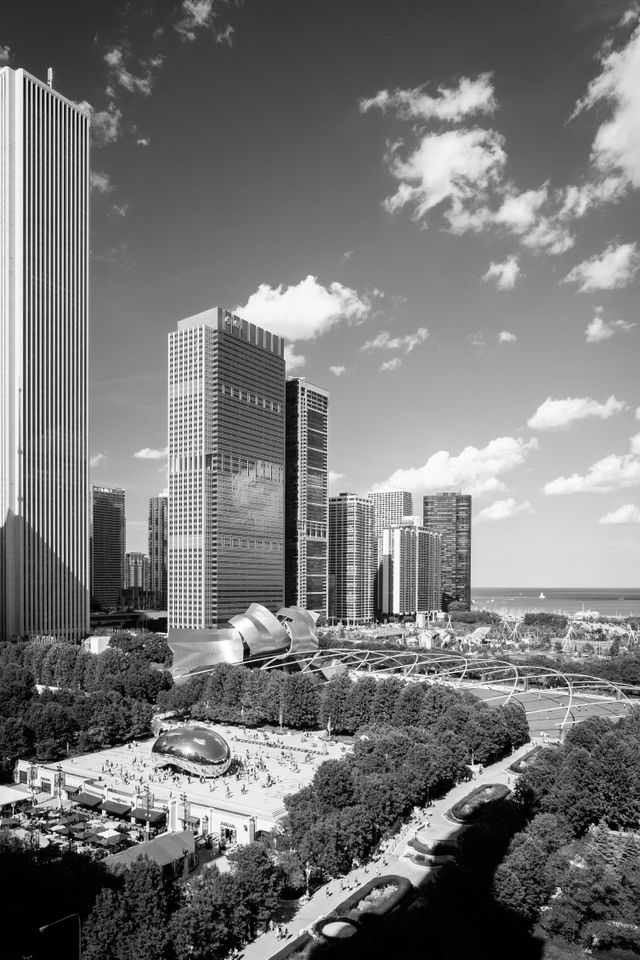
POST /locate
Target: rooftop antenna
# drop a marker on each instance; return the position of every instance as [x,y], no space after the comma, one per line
[50,76]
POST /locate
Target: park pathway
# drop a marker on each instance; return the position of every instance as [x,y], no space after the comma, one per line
[431,826]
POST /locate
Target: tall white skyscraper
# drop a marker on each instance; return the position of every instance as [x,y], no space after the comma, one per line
[226,471]
[351,558]
[44,237]
[389,507]
[409,569]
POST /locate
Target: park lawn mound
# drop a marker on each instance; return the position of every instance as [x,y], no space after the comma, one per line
[376,899]
[471,807]
[519,765]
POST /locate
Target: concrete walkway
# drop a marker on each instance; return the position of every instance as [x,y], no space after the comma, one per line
[427,824]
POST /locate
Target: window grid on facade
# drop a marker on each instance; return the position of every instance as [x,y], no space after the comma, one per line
[226,469]
[306,496]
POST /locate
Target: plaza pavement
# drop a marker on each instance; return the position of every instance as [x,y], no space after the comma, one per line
[429,824]
[276,765]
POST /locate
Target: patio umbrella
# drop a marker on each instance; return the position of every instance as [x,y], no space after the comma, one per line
[110,841]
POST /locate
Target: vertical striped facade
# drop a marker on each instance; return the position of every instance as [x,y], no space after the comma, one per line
[409,569]
[44,203]
[351,559]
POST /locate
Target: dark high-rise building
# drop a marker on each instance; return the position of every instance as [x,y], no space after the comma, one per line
[306,496]
[158,529]
[449,514]
[226,471]
[351,558]
[108,538]
[44,328]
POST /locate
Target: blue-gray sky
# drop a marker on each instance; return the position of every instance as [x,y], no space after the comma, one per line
[436,203]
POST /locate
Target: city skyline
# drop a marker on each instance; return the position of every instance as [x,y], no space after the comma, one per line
[439,216]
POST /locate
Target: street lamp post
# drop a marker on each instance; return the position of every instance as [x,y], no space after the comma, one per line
[61,920]
[147,797]
[183,798]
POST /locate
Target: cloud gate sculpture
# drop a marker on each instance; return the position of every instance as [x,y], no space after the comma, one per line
[196,750]
[248,638]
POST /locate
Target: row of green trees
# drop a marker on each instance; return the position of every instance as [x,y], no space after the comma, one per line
[135,912]
[575,868]
[344,706]
[144,916]
[417,748]
[100,699]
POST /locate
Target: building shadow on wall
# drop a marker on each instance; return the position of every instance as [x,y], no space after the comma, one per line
[41,581]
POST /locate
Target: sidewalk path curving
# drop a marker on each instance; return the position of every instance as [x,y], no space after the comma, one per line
[429,824]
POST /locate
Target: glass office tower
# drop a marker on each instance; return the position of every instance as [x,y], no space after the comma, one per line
[306,496]
[108,545]
[44,274]
[450,515]
[226,469]
[158,530]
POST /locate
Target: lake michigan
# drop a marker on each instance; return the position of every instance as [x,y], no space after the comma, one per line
[622,602]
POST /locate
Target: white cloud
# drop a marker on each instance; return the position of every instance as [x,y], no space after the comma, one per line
[505,336]
[348,255]
[119,211]
[5,55]
[293,360]
[390,365]
[505,274]
[599,329]
[148,453]
[143,142]
[407,342]
[100,182]
[115,60]
[476,471]
[464,169]
[477,341]
[452,104]
[554,414]
[196,15]
[616,146]
[334,477]
[638,413]
[457,166]
[106,125]
[626,514]
[97,459]
[338,371]
[614,472]
[614,268]
[305,310]
[503,510]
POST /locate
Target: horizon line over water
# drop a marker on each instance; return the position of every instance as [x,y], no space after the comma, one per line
[609,601]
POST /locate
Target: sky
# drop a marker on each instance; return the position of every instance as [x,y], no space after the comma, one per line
[437,204]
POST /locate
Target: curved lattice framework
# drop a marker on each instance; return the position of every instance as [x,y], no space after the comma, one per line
[569,698]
